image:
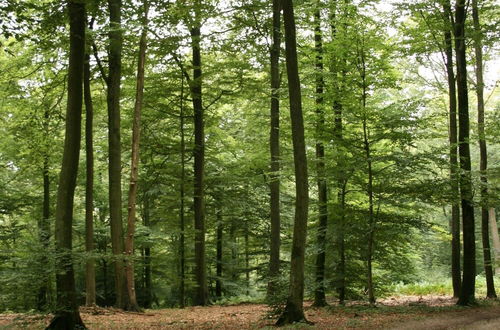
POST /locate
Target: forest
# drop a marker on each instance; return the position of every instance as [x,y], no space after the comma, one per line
[295,158]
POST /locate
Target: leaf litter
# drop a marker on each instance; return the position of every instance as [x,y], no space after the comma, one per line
[401,312]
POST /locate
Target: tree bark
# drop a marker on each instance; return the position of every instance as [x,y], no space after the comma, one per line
[371,220]
[495,238]
[220,229]
[294,311]
[469,256]
[147,257]
[90,287]
[452,133]
[369,187]
[182,244]
[341,179]
[247,260]
[134,165]
[274,143]
[234,251]
[115,193]
[483,164]
[67,315]
[44,227]
[319,292]
[201,296]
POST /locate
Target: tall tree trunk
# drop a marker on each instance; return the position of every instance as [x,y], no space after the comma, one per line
[294,311]
[469,264]
[44,227]
[341,179]
[274,143]
[452,132]
[115,193]
[220,228]
[201,296]
[371,220]
[483,166]
[90,288]
[134,165]
[67,315]
[319,292]
[369,188]
[182,244]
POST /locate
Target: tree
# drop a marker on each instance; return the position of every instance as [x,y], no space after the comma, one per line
[201,297]
[452,133]
[44,223]
[182,193]
[90,288]
[274,143]
[66,314]
[483,166]
[338,64]
[469,256]
[114,145]
[134,163]
[319,292]
[294,310]
[369,171]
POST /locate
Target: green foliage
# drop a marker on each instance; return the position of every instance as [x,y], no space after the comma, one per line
[276,302]
[405,115]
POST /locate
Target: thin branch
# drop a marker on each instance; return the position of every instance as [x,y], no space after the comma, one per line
[99,63]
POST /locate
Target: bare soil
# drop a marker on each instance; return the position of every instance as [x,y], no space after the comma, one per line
[408,312]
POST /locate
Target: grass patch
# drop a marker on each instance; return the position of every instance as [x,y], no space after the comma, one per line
[423,288]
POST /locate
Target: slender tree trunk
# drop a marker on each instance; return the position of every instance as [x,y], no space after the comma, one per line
[247,261]
[338,138]
[369,188]
[371,220]
[67,315]
[220,228]
[44,227]
[182,244]
[469,264]
[90,288]
[134,165]
[234,251]
[319,292]
[483,166]
[147,257]
[455,210]
[115,165]
[274,262]
[102,244]
[294,311]
[495,238]
[201,296]
[341,240]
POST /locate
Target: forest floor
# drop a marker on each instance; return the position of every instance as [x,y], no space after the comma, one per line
[403,312]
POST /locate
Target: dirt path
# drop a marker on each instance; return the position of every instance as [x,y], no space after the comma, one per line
[427,313]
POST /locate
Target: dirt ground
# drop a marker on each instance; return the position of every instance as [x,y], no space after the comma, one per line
[409,312]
